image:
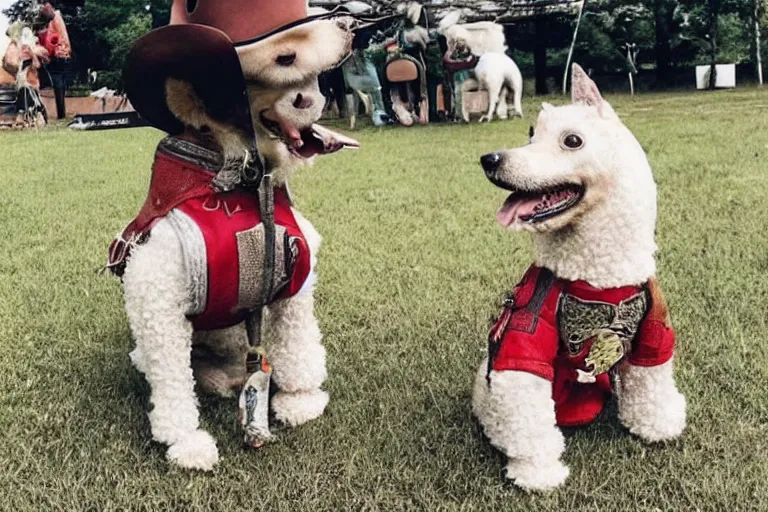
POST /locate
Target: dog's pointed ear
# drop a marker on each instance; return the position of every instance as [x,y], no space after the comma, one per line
[179,13]
[583,89]
[585,92]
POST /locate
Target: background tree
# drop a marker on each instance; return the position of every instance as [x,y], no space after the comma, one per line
[671,36]
[101,32]
[664,19]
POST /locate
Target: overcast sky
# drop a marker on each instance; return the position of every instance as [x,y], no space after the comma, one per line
[4,4]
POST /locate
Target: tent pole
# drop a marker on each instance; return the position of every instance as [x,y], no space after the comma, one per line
[573,44]
[757,44]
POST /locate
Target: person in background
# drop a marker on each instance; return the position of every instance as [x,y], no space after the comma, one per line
[23,52]
[56,40]
[21,62]
[458,63]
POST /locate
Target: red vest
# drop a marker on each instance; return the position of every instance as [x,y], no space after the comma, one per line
[229,223]
[550,327]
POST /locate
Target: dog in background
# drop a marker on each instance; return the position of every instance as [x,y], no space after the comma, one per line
[498,74]
[495,71]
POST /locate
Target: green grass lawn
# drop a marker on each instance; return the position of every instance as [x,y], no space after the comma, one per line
[412,268]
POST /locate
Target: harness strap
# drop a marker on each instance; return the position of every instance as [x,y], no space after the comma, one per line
[267,207]
[253,322]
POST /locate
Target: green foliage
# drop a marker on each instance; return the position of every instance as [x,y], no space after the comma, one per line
[608,24]
[101,32]
[122,37]
[734,44]
[24,11]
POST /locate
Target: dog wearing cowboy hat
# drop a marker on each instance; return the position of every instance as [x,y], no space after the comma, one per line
[234,84]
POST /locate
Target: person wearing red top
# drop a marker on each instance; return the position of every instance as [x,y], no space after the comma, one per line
[55,39]
[19,73]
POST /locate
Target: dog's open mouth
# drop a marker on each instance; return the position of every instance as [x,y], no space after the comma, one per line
[537,206]
[307,142]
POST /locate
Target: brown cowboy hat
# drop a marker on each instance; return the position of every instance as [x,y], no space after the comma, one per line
[210,43]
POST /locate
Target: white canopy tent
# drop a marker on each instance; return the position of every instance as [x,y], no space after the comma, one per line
[499,11]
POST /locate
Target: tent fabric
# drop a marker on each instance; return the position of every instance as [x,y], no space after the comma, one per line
[501,11]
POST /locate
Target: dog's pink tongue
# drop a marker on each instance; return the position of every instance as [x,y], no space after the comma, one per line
[290,132]
[514,208]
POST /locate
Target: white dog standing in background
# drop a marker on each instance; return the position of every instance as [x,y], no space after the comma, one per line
[498,74]
[588,319]
[495,72]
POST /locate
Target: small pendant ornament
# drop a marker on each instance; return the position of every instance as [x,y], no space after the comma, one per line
[606,351]
[254,400]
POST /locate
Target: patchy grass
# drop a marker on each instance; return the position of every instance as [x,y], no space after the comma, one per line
[412,268]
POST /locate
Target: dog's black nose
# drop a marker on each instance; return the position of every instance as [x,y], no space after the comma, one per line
[301,102]
[490,162]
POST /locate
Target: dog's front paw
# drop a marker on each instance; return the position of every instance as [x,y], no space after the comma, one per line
[484,119]
[531,476]
[296,408]
[656,422]
[195,451]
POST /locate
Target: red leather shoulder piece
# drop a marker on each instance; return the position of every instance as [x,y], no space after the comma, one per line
[459,64]
[173,181]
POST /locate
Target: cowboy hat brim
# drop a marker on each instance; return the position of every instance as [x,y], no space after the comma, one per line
[198,54]
[212,64]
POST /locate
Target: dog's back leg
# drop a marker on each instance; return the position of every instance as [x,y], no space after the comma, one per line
[156,299]
[501,107]
[518,415]
[515,83]
[493,85]
[218,359]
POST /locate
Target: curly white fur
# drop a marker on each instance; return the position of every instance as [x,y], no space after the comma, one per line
[518,415]
[295,351]
[156,299]
[282,75]
[607,240]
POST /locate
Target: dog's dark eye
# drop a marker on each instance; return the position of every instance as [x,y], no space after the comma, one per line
[286,60]
[572,141]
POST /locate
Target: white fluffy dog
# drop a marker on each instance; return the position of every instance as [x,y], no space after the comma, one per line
[588,319]
[168,273]
[498,74]
[480,37]
[495,71]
